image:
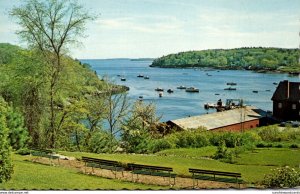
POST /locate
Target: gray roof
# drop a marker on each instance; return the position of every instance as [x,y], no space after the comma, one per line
[281,93]
[220,119]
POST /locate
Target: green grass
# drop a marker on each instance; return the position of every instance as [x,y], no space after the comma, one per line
[208,151]
[34,176]
[250,173]
[271,157]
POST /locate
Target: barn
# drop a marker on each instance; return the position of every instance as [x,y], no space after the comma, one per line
[238,119]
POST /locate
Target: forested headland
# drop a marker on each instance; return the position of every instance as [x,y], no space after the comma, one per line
[256,58]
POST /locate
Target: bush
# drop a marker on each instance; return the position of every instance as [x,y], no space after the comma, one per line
[102,142]
[223,153]
[284,177]
[23,151]
[294,146]
[159,144]
[270,133]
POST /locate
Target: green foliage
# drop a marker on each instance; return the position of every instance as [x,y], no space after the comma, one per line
[284,177]
[269,59]
[6,167]
[18,134]
[102,142]
[158,145]
[223,153]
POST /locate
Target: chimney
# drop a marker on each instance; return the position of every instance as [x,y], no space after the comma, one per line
[287,88]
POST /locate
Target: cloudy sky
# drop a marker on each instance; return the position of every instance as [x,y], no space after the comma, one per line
[152,28]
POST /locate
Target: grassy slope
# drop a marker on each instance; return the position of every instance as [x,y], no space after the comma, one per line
[30,176]
[252,165]
[251,173]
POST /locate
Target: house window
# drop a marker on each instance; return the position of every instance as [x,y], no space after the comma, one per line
[294,106]
[279,105]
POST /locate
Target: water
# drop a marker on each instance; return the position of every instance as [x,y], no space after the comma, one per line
[180,103]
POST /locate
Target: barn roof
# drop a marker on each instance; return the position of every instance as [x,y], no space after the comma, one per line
[220,119]
[289,91]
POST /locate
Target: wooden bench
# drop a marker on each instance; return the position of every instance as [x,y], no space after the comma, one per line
[111,165]
[44,153]
[230,177]
[152,171]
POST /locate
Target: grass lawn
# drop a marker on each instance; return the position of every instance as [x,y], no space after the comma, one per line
[271,157]
[250,173]
[208,151]
[31,176]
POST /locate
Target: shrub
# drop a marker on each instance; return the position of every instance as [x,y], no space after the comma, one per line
[223,153]
[23,151]
[284,177]
[294,146]
[270,133]
[102,142]
[158,145]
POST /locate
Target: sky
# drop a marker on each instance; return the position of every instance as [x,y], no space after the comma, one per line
[153,28]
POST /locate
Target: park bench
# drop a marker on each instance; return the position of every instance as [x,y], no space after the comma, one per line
[152,171]
[230,177]
[111,165]
[44,153]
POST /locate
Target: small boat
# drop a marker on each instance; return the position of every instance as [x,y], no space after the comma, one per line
[275,83]
[160,94]
[231,83]
[170,91]
[192,89]
[268,90]
[255,91]
[159,89]
[140,75]
[123,79]
[217,94]
[208,74]
[230,88]
[146,77]
[141,98]
[181,87]
[209,105]
[119,75]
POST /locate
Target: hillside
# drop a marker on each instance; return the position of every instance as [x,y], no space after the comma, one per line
[259,59]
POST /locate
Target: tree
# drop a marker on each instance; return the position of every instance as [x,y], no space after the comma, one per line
[6,167]
[50,27]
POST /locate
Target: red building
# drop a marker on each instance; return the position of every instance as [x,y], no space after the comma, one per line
[286,101]
[239,120]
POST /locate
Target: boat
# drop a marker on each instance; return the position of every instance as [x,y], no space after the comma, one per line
[192,89]
[217,94]
[160,94]
[255,91]
[181,87]
[140,75]
[275,83]
[268,90]
[231,83]
[119,75]
[209,105]
[159,89]
[123,79]
[230,88]
[146,77]
[170,91]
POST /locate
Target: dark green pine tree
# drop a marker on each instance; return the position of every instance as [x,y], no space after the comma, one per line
[6,167]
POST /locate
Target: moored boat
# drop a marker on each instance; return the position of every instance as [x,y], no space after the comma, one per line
[230,88]
[181,87]
[231,83]
[159,89]
[140,75]
[170,91]
[146,77]
[192,89]
[160,94]
[123,79]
